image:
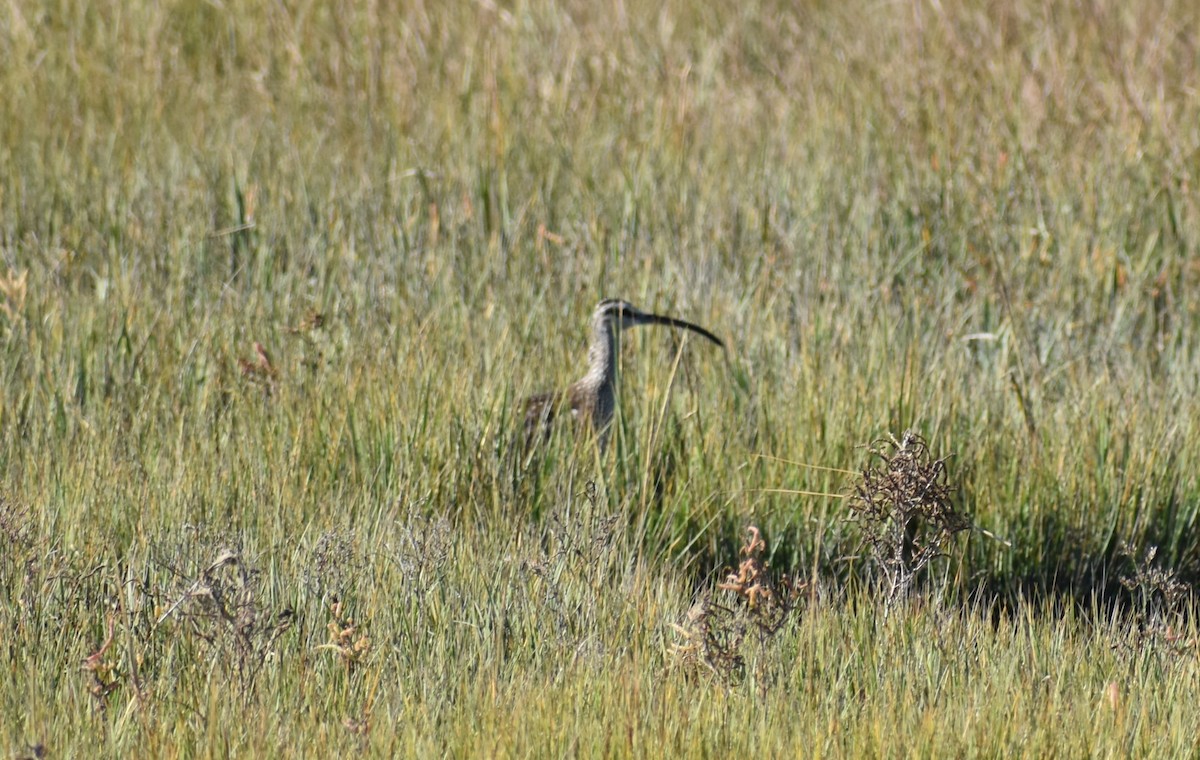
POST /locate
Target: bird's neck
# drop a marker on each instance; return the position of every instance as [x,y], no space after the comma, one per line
[602,355]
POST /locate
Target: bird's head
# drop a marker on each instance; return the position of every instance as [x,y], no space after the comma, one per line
[622,315]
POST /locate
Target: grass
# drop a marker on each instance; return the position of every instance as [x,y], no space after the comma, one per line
[976,223]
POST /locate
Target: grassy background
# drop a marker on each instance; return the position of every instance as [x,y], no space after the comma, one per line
[980,223]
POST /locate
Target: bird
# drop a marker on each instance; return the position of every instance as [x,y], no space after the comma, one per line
[591,400]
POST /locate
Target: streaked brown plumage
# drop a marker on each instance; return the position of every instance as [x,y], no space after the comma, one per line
[592,398]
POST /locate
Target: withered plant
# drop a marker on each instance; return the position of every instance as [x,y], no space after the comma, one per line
[335,565]
[904,505]
[568,572]
[346,638]
[222,605]
[1161,601]
[422,545]
[755,605]
[20,557]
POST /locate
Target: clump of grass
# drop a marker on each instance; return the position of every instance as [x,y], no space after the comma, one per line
[904,506]
[756,606]
[1161,602]
[335,565]
[16,530]
[224,606]
[572,570]
[422,546]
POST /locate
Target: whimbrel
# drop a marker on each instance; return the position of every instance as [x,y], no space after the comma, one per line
[591,399]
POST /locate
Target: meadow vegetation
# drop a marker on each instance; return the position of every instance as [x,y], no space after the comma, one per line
[275,276]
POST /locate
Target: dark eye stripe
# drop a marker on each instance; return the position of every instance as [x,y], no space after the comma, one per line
[614,307]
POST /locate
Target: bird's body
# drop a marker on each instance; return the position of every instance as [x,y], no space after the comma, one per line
[591,400]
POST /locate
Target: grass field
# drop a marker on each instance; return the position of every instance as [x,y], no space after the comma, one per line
[980,224]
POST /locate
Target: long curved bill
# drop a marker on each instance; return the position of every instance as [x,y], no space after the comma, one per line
[658,319]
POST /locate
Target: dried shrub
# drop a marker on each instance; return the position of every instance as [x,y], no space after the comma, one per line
[904,506]
[117,661]
[16,528]
[335,565]
[222,604]
[346,638]
[419,548]
[576,563]
[1161,601]
[422,546]
[20,561]
[44,589]
[754,607]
